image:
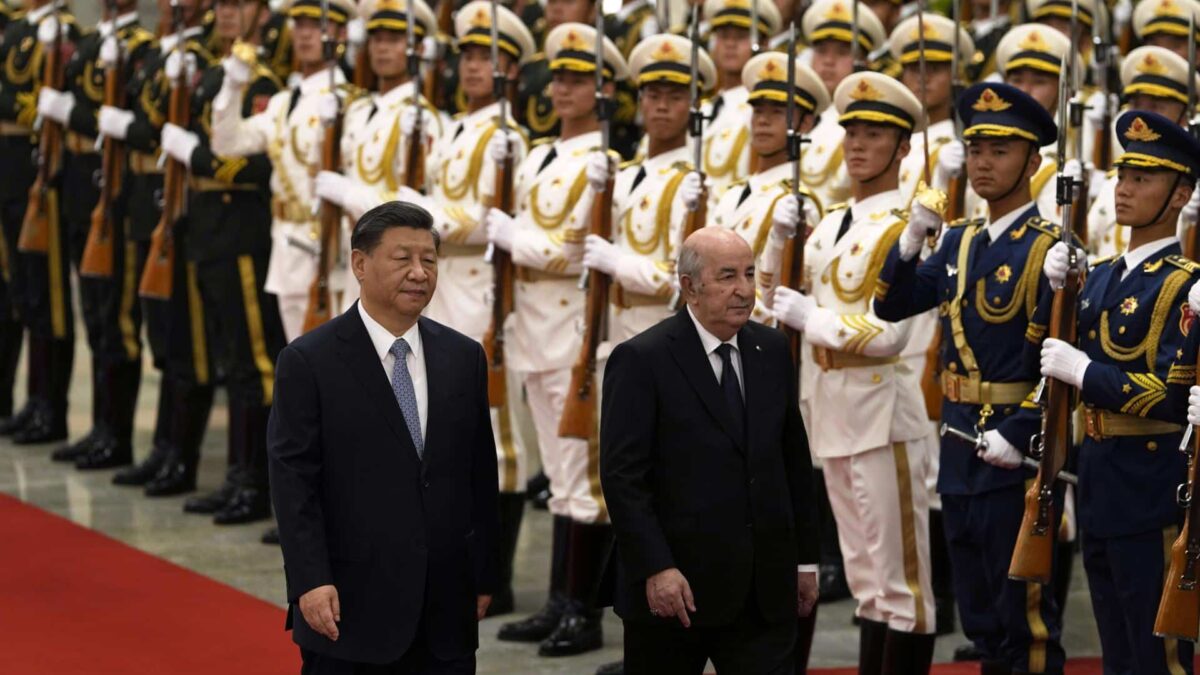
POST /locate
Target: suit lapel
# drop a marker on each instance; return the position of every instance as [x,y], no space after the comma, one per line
[752,377]
[437,365]
[359,355]
[689,354]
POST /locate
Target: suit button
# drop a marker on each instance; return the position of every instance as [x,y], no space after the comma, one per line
[425,485]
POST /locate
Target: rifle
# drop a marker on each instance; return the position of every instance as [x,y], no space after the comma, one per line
[436,77]
[792,265]
[855,35]
[697,217]
[1033,553]
[755,47]
[1191,243]
[977,441]
[158,277]
[502,265]
[1179,609]
[1102,150]
[97,260]
[579,413]
[414,162]
[956,188]
[329,215]
[35,228]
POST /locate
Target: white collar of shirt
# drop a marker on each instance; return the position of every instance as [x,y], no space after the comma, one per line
[1142,253]
[106,27]
[665,160]
[874,203]
[998,226]
[769,177]
[168,42]
[382,338]
[35,16]
[318,82]
[707,339]
[402,93]
[590,139]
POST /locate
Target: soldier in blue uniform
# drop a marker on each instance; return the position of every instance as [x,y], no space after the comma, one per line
[1134,320]
[986,278]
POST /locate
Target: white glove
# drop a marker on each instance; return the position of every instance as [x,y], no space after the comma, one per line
[55,105]
[690,189]
[356,32]
[48,28]
[1095,108]
[598,170]
[1064,362]
[1192,209]
[408,120]
[498,148]
[1194,298]
[237,71]
[114,122]
[430,49]
[1194,405]
[332,187]
[951,158]
[174,65]
[327,107]
[407,194]
[1057,262]
[501,229]
[1073,169]
[179,143]
[920,221]
[785,217]
[601,255]
[792,307]
[999,452]
[110,51]
[1122,12]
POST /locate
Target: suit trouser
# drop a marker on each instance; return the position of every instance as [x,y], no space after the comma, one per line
[749,645]
[11,330]
[572,465]
[1125,579]
[1014,622]
[48,312]
[882,511]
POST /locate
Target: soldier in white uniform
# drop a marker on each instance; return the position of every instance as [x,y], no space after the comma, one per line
[726,136]
[828,29]
[1153,79]
[875,460]
[1164,23]
[290,132]
[553,204]
[377,127]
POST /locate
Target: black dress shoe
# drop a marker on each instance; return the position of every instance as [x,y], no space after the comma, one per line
[615,668]
[71,451]
[108,454]
[579,632]
[247,506]
[271,536]
[143,472]
[502,603]
[10,425]
[211,502]
[540,500]
[176,477]
[832,581]
[536,627]
[967,652]
[42,428]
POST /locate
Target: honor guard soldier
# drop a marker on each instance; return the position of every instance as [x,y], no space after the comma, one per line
[985,277]
[1133,324]
[275,47]
[116,363]
[463,168]
[553,209]
[829,30]
[1164,23]
[874,472]
[534,108]
[1057,15]
[726,149]
[39,281]
[228,245]
[289,132]
[1152,79]
[631,24]
[938,96]
[889,13]
[986,31]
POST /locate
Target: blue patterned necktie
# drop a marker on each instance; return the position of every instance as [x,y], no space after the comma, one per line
[406,396]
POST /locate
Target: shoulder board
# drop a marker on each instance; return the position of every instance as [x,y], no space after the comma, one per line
[539,56]
[1044,226]
[1188,265]
[633,162]
[351,92]
[544,140]
[963,222]
[1104,261]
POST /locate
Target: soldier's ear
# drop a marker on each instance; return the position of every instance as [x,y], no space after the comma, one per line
[1182,194]
[1035,161]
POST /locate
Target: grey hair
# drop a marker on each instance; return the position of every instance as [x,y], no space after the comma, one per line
[690,262]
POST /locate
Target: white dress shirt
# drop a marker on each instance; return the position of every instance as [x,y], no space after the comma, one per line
[382,339]
[1142,253]
[710,343]
[1000,225]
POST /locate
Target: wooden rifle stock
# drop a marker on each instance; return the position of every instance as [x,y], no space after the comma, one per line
[1179,609]
[414,161]
[1191,240]
[1079,210]
[158,277]
[35,227]
[502,296]
[791,275]
[579,412]
[320,296]
[97,260]
[1033,553]
[435,79]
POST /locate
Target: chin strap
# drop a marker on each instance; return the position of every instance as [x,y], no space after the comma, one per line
[888,166]
[1020,177]
[1166,202]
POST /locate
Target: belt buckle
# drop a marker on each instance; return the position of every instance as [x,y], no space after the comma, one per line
[953,386]
[823,357]
[1094,424]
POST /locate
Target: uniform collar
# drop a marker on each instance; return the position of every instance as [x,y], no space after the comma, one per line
[168,42]
[581,142]
[35,16]
[318,82]
[771,176]
[884,201]
[999,226]
[398,94]
[1144,252]
[668,158]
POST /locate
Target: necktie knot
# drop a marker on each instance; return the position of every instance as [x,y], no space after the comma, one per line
[400,349]
[724,350]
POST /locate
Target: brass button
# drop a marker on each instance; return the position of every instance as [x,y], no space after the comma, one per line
[226,198]
[996,300]
[563,302]
[876,378]
[1121,330]
[1091,335]
[964,302]
[1152,446]
[1008,411]
[953,367]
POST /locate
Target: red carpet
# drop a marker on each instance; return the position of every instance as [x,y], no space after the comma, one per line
[130,613]
[1074,667]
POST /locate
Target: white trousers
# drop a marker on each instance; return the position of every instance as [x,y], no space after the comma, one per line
[291,310]
[881,507]
[511,452]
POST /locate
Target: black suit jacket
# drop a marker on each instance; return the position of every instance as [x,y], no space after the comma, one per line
[735,515]
[399,537]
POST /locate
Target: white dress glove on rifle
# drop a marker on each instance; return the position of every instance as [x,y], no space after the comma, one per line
[407,194]
[999,452]
[114,122]
[1095,108]
[54,104]
[785,217]
[327,107]
[179,143]
[690,189]
[950,159]
[792,308]
[356,32]
[599,168]
[501,229]
[1193,414]
[601,255]
[1064,362]
[237,71]
[1192,209]
[353,197]
[110,52]
[1057,264]
[1194,298]
[920,221]
[48,29]
[408,121]
[498,149]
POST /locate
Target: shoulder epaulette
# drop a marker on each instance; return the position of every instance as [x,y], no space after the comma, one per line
[351,92]
[637,159]
[963,222]
[1184,263]
[1044,226]
[543,141]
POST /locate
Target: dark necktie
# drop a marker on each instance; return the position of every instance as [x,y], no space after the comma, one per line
[374,109]
[641,175]
[745,194]
[293,100]
[550,157]
[731,388]
[458,130]
[718,103]
[845,226]
[1118,268]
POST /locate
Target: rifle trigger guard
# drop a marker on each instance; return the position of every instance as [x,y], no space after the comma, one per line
[1182,496]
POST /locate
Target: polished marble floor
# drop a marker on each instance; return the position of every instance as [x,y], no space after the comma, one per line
[234,556]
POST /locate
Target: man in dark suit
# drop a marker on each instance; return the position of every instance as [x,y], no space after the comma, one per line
[383,470]
[708,479]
